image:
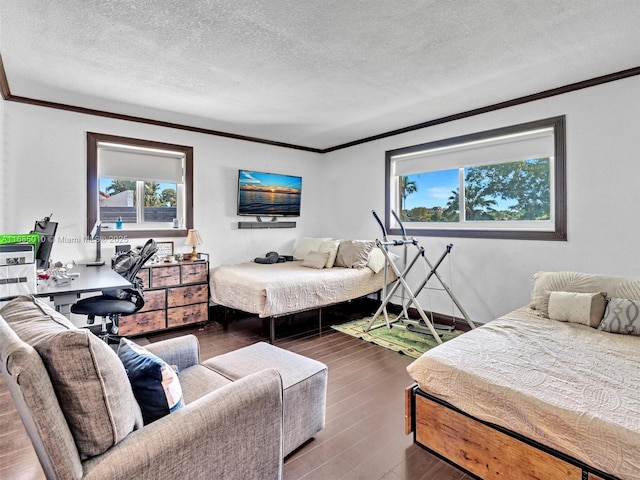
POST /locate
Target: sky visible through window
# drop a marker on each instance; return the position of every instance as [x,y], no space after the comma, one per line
[435,188]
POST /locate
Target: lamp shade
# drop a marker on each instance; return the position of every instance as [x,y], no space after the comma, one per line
[193,238]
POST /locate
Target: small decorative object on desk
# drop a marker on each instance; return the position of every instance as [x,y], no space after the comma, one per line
[119,223]
[165,249]
[193,239]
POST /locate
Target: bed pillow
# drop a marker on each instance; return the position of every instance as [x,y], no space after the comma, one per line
[353,254]
[376,260]
[316,260]
[330,247]
[622,315]
[306,245]
[155,384]
[573,307]
[545,282]
[630,290]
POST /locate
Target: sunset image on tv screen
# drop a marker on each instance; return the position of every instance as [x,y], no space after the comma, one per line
[268,194]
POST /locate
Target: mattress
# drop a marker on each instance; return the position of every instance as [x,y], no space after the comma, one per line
[570,387]
[280,288]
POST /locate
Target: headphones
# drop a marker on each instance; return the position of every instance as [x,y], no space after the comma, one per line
[271,257]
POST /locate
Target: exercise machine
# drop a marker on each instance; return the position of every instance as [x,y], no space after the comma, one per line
[424,324]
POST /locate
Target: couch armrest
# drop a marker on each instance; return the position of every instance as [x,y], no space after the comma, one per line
[234,432]
[182,351]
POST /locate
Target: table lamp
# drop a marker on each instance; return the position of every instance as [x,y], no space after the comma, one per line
[193,239]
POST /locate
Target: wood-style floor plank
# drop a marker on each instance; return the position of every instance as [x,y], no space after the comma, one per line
[364,433]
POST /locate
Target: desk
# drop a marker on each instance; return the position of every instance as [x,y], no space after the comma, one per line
[91,279]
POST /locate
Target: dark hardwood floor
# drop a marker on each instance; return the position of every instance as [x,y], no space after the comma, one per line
[364,433]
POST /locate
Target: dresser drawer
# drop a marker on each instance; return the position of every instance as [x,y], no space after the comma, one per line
[142,323]
[189,314]
[154,300]
[194,273]
[178,296]
[165,276]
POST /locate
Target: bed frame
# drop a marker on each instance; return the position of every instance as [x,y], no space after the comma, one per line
[484,450]
[272,318]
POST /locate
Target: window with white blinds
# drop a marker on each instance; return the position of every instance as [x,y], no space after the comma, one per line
[503,183]
[138,186]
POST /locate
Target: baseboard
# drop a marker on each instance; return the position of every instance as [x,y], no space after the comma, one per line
[440,318]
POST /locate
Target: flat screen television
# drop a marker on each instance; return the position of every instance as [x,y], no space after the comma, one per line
[268,194]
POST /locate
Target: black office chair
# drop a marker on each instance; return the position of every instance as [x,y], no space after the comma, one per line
[113,304]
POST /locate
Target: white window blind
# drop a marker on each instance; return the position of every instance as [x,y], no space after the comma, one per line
[502,149]
[124,162]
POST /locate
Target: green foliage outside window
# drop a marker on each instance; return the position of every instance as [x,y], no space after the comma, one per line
[153,197]
[513,191]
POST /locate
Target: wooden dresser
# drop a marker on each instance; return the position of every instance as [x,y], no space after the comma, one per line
[175,294]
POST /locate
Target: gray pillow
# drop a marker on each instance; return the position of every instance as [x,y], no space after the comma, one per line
[621,316]
[352,254]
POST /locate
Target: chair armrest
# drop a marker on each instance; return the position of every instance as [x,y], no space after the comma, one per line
[234,432]
[182,351]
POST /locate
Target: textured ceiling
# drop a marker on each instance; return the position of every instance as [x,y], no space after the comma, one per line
[311,73]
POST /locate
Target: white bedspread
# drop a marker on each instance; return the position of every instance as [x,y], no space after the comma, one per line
[570,387]
[279,288]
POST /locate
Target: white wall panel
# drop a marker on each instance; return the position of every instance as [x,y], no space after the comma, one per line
[492,277]
[43,169]
[45,155]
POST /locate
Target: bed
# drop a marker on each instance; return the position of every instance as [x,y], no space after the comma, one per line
[528,396]
[279,289]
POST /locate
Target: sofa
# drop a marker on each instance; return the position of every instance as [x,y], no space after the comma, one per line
[87,419]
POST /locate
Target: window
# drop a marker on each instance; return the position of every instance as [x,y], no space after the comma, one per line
[503,183]
[146,185]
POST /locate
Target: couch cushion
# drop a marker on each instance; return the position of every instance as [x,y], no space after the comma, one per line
[198,380]
[33,319]
[155,384]
[304,383]
[87,376]
[36,402]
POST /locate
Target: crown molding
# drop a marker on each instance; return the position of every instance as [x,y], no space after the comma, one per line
[612,77]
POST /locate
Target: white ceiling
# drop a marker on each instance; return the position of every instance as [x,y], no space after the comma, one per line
[311,73]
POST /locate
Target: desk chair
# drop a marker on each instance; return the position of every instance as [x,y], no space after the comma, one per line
[113,304]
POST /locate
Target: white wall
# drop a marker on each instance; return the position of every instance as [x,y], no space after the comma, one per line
[45,172]
[3,175]
[492,277]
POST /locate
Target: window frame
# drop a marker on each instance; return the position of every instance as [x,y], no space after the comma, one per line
[93,140]
[559,232]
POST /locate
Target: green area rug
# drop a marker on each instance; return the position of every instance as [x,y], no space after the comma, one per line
[397,339]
